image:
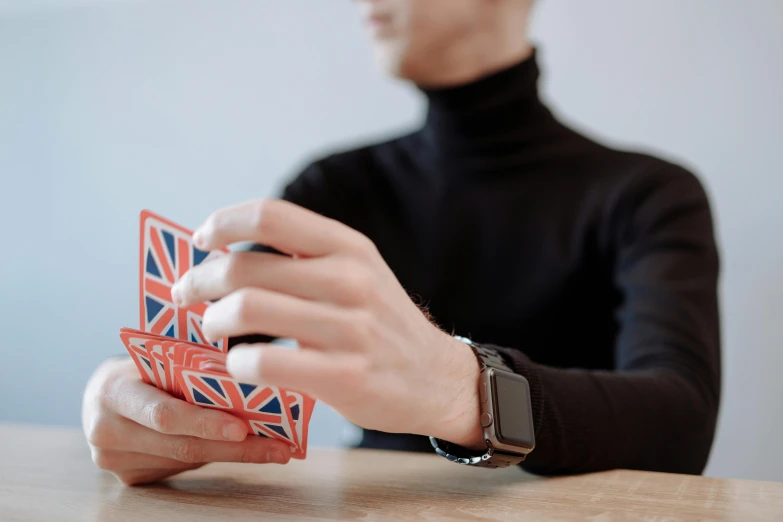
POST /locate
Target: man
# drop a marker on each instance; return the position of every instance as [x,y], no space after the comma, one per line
[589,272]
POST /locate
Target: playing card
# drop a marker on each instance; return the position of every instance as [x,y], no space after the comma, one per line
[210,362]
[171,351]
[166,252]
[158,371]
[184,352]
[301,408]
[197,353]
[167,352]
[162,380]
[143,363]
[197,373]
[135,345]
[176,356]
[141,336]
[261,407]
[213,365]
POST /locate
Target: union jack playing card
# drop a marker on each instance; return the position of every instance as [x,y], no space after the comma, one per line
[166,253]
[172,354]
[261,407]
[301,408]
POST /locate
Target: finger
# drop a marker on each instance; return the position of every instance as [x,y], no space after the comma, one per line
[212,281]
[192,450]
[148,476]
[258,311]
[330,377]
[279,224]
[330,279]
[158,411]
[120,461]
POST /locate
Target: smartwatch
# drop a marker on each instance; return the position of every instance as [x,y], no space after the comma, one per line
[506,415]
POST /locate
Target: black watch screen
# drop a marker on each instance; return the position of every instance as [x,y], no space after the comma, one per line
[513,418]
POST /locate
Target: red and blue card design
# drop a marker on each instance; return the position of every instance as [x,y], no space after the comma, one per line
[171,352]
[166,253]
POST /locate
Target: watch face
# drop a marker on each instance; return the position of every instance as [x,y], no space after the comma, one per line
[513,415]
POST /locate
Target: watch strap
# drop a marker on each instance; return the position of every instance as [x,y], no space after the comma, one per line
[491,458]
[487,358]
[488,459]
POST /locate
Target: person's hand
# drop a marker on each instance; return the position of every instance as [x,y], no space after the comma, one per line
[142,434]
[365,348]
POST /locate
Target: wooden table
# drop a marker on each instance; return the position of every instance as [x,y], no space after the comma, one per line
[47,474]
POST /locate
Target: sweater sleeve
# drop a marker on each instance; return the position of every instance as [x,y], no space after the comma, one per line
[657,409]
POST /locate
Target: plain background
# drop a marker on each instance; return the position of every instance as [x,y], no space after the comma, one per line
[184,106]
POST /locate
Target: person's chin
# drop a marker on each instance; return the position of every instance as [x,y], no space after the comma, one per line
[393,59]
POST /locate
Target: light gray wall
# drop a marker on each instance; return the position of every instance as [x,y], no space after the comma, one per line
[182,106]
[702,81]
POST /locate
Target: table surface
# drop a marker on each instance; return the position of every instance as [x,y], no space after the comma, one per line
[47,474]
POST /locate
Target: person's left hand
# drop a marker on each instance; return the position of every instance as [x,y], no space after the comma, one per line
[365,348]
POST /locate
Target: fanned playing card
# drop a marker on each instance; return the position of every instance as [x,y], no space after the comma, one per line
[171,352]
[135,342]
[261,407]
[143,363]
[166,252]
[301,408]
[162,380]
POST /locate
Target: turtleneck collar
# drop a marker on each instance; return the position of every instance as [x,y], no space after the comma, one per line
[487,123]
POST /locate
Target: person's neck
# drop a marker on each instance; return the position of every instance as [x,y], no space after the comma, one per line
[472,128]
[470,59]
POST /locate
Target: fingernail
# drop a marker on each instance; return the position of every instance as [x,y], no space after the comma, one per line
[198,239]
[175,297]
[232,432]
[275,456]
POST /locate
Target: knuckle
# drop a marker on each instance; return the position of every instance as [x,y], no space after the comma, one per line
[160,416]
[355,371]
[244,306]
[98,402]
[352,283]
[100,392]
[358,329]
[249,455]
[232,270]
[366,325]
[99,432]
[364,246]
[105,460]
[188,451]
[262,216]
[102,384]
[204,425]
[361,284]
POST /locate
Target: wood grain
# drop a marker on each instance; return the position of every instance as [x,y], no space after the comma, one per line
[47,474]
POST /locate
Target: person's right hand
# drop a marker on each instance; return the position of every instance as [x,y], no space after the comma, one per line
[141,434]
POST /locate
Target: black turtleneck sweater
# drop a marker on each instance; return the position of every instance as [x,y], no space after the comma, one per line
[592,270]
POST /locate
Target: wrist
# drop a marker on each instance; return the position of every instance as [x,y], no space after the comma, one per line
[460,422]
